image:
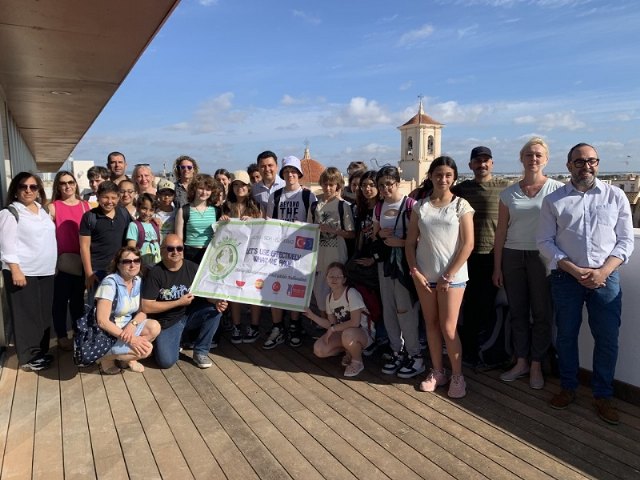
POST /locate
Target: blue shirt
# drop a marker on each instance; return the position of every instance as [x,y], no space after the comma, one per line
[261,192]
[585,227]
[126,304]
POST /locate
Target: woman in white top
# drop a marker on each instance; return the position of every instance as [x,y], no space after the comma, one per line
[439,242]
[29,253]
[518,265]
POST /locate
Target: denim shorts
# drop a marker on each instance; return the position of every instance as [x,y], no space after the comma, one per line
[121,348]
[451,285]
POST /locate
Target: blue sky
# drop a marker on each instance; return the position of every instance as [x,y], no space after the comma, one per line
[226,79]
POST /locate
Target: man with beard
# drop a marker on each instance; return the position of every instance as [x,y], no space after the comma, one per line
[585,233]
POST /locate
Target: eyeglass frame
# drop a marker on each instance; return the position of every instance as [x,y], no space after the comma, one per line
[130,261]
[174,248]
[31,186]
[581,162]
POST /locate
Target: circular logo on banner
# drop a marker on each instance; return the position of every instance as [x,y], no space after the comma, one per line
[223,260]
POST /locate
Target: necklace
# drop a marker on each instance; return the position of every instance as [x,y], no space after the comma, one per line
[530,190]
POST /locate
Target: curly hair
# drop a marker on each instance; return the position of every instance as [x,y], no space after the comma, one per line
[179,160]
[206,181]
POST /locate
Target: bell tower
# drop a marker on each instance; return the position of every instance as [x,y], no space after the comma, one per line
[420,144]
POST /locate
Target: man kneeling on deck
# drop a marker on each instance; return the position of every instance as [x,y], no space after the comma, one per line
[165,295]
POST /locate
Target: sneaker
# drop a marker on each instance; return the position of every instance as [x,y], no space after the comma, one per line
[435,379]
[202,360]
[295,334]
[251,335]
[413,365]
[377,344]
[393,365]
[606,411]
[36,365]
[515,373]
[562,399]
[457,387]
[236,335]
[353,369]
[275,338]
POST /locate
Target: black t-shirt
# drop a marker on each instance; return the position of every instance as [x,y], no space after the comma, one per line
[163,285]
[107,234]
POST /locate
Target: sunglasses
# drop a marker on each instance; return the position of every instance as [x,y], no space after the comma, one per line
[186,167]
[70,183]
[172,248]
[24,187]
[130,261]
[142,165]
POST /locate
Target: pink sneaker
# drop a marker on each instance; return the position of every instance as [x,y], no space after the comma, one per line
[435,379]
[457,387]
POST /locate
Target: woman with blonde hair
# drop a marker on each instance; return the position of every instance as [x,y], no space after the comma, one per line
[144,179]
[518,265]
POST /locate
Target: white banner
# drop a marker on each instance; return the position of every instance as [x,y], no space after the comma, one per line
[260,262]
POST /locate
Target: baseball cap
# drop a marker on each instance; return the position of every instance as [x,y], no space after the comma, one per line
[241,176]
[476,152]
[164,184]
[291,161]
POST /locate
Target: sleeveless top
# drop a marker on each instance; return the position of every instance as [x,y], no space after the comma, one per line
[68,225]
[200,227]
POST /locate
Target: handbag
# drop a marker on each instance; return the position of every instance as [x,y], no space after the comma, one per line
[70,263]
[90,342]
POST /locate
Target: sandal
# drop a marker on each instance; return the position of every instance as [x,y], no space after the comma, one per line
[354,368]
[346,360]
[135,366]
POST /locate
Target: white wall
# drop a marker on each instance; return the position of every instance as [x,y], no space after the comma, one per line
[629,353]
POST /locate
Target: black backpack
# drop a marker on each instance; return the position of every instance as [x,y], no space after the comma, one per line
[495,347]
[306,197]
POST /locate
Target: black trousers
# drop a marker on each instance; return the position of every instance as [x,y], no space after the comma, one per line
[68,294]
[30,315]
[479,309]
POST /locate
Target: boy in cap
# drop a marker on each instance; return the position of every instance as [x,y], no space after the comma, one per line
[290,203]
[165,215]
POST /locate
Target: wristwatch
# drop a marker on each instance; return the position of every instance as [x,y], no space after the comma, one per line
[134,323]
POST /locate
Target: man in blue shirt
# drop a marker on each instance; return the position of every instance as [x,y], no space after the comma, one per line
[585,233]
[268,165]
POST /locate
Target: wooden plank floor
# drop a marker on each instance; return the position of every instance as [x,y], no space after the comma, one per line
[285,414]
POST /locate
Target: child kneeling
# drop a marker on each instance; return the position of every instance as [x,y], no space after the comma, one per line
[348,327]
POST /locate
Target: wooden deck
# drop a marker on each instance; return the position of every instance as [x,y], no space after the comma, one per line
[286,414]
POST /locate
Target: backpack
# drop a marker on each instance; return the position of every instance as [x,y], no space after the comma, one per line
[406,207]
[15,214]
[366,319]
[306,198]
[142,233]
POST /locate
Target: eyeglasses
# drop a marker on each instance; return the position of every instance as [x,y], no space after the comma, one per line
[174,248]
[142,165]
[70,183]
[186,167]
[31,186]
[581,162]
[367,185]
[130,261]
[388,185]
[130,192]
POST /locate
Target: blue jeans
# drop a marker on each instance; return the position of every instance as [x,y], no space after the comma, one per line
[604,306]
[167,345]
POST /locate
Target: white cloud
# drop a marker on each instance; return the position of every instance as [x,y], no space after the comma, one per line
[463,32]
[360,112]
[406,86]
[291,126]
[208,3]
[415,36]
[566,120]
[453,112]
[307,17]
[524,120]
[289,100]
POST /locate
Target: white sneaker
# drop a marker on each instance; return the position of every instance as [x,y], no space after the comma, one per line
[412,366]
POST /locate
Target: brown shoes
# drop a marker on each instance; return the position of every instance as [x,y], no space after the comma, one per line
[562,399]
[606,411]
[65,344]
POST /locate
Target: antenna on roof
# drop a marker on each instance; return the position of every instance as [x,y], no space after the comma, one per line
[420,110]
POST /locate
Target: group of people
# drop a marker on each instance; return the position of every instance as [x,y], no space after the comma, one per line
[445,247]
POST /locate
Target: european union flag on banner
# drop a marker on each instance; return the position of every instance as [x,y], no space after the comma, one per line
[304,243]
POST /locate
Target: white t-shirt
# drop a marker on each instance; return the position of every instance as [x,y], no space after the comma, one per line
[440,238]
[168,224]
[332,247]
[341,309]
[388,215]
[291,205]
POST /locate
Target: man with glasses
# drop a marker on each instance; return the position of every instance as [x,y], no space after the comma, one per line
[585,233]
[166,298]
[117,165]
[483,194]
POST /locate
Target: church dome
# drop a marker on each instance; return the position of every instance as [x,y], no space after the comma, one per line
[311,169]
